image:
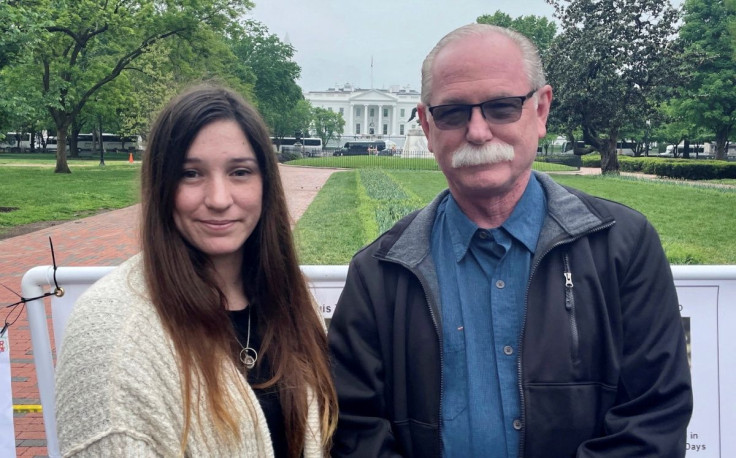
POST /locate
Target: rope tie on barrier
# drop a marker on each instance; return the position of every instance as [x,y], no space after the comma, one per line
[58,292]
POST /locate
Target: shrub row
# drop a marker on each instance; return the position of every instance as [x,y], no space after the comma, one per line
[564,159]
[681,169]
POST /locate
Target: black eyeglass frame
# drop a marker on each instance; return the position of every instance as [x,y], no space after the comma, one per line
[469,107]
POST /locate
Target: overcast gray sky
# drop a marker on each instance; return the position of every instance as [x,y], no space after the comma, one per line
[335,39]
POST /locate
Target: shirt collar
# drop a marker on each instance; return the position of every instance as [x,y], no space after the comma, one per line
[524,223]
[526,220]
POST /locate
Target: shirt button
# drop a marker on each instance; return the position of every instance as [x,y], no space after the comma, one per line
[517,424]
[483,235]
[500,284]
[508,349]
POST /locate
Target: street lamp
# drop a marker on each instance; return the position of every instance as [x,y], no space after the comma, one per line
[646,138]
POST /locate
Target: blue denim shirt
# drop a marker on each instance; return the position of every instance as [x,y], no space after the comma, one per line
[483,275]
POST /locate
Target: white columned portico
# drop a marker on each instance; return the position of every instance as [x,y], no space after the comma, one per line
[392,100]
[380,119]
[349,124]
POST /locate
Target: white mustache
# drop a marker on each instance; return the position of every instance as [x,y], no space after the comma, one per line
[490,153]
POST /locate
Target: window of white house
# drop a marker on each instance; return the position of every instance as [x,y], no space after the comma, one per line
[342,111]
[401,129]
[357,129]
[402,113]
[385,112]
[385,129]
[370,113]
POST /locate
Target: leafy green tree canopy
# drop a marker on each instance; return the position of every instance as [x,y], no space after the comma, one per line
[708,101]
[85,45]
[327,124]
[540,30]
[270,62]
[612,63]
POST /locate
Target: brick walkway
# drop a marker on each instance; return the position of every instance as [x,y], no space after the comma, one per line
[106,239]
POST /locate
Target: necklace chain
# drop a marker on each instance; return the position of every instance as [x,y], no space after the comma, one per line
[248,355]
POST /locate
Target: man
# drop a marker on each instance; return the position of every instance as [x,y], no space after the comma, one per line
[511,316]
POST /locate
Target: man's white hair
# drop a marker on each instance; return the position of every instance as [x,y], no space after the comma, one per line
[489,153]
[530,55]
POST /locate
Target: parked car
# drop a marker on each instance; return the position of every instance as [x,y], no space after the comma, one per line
[361,148]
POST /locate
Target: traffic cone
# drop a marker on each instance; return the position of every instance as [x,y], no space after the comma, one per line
[130,158]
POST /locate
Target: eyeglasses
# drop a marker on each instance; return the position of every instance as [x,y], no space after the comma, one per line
[504,110]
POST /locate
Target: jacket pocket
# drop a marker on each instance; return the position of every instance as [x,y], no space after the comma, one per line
[570,309]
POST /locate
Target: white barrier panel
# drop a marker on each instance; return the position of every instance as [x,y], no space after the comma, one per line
[7,431]
[326,283]
[707,297]
[707,303]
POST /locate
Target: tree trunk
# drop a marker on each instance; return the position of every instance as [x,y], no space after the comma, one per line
[61,165]
[609,159]
[686,149]
[721,142]
[102,150]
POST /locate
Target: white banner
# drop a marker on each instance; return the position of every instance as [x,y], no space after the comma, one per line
[7,431]
[708,309]
[707,304]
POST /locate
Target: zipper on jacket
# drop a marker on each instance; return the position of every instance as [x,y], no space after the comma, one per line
[438,331]
[570,307]
[519,371]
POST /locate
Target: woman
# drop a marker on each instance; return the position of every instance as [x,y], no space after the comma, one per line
[208,342]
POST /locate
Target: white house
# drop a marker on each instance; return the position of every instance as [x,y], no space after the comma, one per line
[370,113]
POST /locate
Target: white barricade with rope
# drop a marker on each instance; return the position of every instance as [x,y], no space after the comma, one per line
[707,303]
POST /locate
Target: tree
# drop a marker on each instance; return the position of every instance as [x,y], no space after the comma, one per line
[269,61]
[709,101]
[327,124]
[610,66]
[85,45]
[731,5]
[540,30]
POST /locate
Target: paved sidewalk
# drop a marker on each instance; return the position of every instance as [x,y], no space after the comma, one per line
[106,239]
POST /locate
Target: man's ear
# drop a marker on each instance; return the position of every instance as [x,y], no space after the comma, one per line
[544,101]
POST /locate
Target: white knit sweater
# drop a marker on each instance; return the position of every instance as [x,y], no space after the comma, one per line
[118,389]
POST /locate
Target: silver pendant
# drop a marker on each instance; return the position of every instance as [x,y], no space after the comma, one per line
[248,356]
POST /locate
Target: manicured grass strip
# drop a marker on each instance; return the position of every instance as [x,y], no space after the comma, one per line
[33,194]
[330,231]
[380,186]
[387,197]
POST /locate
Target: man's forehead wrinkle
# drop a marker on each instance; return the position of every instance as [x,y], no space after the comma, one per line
[455,85]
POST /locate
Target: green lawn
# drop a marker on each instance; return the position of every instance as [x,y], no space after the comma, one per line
[694,223]
[395,162]
[35,193]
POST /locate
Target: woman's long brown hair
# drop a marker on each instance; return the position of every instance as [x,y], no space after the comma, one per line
[187,299]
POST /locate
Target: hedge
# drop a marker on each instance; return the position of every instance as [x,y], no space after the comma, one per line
[682,169]
[564,159]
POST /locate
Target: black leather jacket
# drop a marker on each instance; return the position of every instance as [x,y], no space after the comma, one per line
[603,368]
